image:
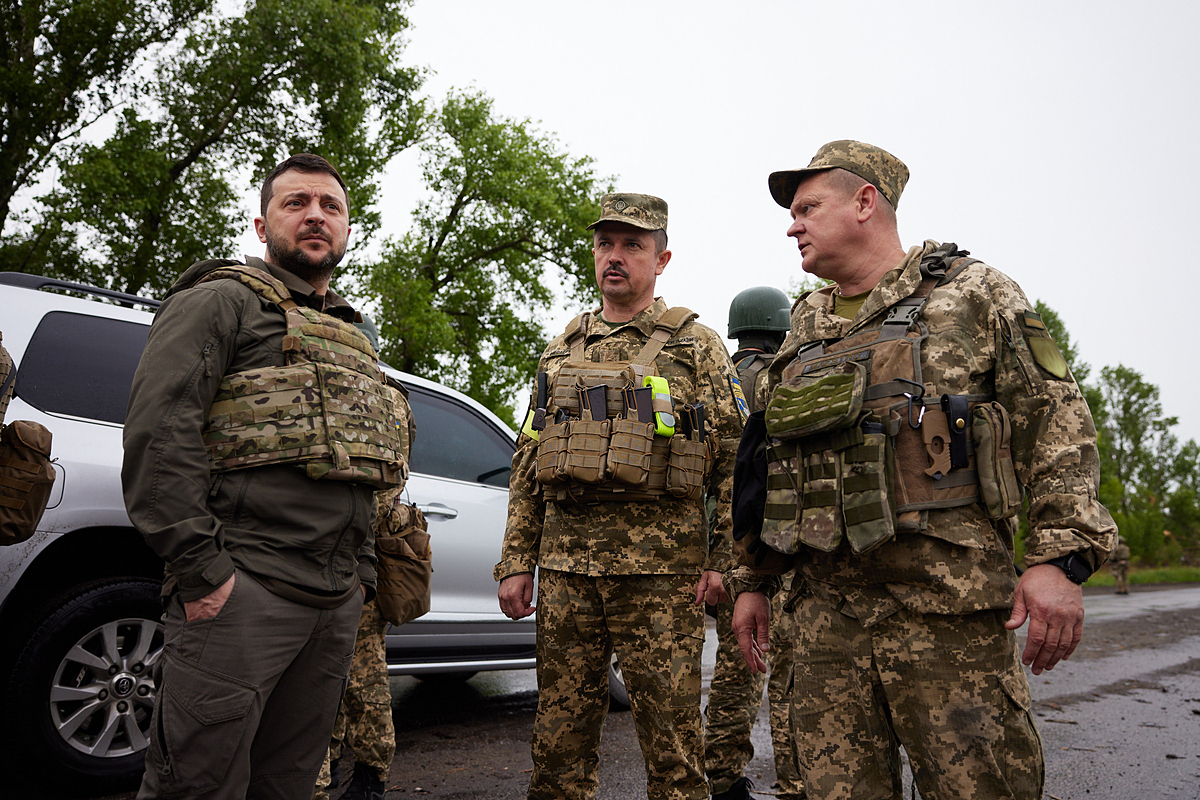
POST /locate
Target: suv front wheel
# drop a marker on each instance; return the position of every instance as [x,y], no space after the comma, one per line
[83,686]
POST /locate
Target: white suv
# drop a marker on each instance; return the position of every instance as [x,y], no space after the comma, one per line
[79,602]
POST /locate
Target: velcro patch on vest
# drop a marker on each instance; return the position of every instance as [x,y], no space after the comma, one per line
[837,359]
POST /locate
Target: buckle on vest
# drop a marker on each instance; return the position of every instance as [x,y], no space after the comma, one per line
[903,314]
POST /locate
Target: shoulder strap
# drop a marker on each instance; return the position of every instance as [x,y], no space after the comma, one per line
[937,268]
[12,376]
[665,327]
[264,284]
[576,334]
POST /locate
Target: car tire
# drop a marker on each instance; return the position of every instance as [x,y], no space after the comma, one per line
[82,689]
[618,695]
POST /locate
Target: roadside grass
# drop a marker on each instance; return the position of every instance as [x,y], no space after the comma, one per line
[1148,575]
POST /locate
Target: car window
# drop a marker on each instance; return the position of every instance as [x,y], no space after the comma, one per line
[454,441]
[81,365]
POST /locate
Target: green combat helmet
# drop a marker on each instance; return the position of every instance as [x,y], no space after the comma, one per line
[760,308]
[370,330]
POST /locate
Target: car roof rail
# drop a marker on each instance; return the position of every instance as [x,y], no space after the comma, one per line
[37,282]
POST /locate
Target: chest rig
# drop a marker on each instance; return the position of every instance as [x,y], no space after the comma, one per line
[326,409]
[610,433]
[859,446]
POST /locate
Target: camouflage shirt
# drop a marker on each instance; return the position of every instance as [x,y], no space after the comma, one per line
[664,537]
[961,561]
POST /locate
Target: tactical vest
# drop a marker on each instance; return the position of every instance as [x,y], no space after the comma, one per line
[602,445]
[327,408]
[748,369]
[859,446]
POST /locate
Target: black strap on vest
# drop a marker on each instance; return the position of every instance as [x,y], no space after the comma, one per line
[12,376]
[935,271]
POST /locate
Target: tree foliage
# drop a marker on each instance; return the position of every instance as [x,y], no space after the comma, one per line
[240,91]
[462,294]
[64,64]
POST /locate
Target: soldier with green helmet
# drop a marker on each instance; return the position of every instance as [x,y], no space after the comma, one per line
[259,428]
[758,319]
[914,403]
[634,419]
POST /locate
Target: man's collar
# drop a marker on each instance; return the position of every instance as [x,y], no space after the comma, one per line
[303,291]
[644,320]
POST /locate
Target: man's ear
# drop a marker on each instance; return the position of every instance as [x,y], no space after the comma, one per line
[260,227]
[661,262]
[866,201]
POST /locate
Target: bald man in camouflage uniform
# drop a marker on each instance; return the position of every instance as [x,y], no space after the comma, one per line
[622,568]
[902,515]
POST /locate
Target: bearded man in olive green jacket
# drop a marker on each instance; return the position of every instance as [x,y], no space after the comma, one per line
[240,474]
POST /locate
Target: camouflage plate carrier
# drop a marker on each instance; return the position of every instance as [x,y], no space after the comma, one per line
[327,408]
[858,445]
[582,459]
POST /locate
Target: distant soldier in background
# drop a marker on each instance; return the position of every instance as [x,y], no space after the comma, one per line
[758,318]
[1119,564]
[364,721]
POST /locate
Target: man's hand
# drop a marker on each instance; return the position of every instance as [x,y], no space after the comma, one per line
[211,604]
[516,594]
[711,589]
[752,626]
[1053,604]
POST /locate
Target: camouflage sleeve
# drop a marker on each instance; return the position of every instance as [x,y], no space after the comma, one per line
[1054,437]
[526,514]
[716,384]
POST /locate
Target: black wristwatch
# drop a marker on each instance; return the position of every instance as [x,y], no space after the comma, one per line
[1074,565]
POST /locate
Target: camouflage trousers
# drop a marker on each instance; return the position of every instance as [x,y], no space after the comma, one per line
[1120,571]
[950,689]
[734,700]
[653,625]
[364,720]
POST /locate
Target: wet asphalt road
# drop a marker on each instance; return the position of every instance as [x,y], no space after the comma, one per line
[1120,721]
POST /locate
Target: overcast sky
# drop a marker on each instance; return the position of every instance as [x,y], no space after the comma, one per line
[1057,141]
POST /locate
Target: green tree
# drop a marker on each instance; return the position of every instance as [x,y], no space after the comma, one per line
[241,91]
[64,64]
[461,295]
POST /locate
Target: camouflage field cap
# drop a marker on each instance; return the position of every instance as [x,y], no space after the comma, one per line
[639,210]
[873,164]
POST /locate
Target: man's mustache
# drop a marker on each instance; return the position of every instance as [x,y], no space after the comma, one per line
[615,270]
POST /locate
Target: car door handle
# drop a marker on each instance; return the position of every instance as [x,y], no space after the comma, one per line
[438,510]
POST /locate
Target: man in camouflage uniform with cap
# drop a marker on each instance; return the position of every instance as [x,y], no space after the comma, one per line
[758,319]
[908,638]
[630,576]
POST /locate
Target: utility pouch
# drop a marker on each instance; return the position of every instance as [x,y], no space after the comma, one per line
[781,512]
[821,525]
[866,503]
[686,467]
[576,377]
[999,489]
[629,447]
[551,460]
[805,404]
[587,451]
[404,566]
[26,478]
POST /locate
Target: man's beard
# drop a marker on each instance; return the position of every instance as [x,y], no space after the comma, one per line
[300,263]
